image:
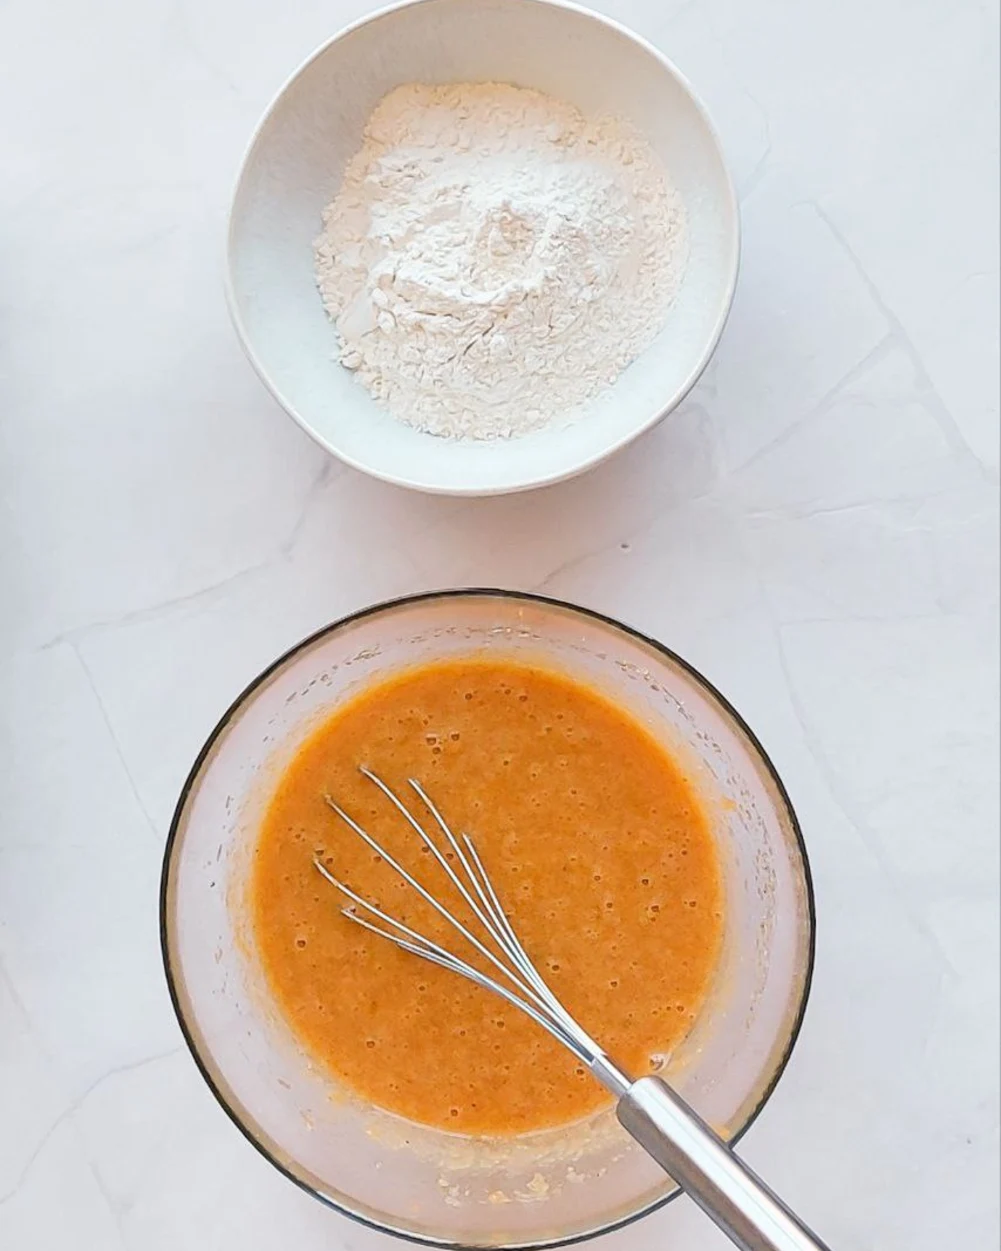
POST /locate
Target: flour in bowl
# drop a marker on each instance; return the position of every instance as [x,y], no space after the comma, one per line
[494,260]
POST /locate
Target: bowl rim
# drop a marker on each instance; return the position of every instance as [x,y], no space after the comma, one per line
[530,482]
[478,593]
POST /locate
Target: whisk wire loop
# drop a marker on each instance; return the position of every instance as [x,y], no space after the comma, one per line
[531,994]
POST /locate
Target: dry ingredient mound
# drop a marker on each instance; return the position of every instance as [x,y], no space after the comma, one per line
[493,260]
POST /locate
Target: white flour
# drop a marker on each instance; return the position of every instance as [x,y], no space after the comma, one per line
[493,260]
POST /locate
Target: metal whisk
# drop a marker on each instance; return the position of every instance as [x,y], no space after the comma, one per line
[701,1163]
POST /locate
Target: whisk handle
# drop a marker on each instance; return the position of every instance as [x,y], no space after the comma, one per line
[751,1215]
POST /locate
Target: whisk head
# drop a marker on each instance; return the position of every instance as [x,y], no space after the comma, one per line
[513,975]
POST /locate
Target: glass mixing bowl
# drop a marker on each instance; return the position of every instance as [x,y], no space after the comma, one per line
[431,1186]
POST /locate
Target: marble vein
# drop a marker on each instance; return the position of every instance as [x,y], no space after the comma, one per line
[71,1109]
[933,400]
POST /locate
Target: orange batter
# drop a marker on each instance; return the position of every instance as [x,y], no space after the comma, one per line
[595,843]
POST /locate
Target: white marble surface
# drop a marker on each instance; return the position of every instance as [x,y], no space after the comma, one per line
[816,529]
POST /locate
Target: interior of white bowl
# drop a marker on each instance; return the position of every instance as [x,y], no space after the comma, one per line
[426,1184]
[295,165]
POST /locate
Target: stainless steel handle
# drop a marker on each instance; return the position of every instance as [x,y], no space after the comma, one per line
[740,1203]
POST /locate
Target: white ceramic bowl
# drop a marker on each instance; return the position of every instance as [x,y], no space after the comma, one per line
[295,164]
